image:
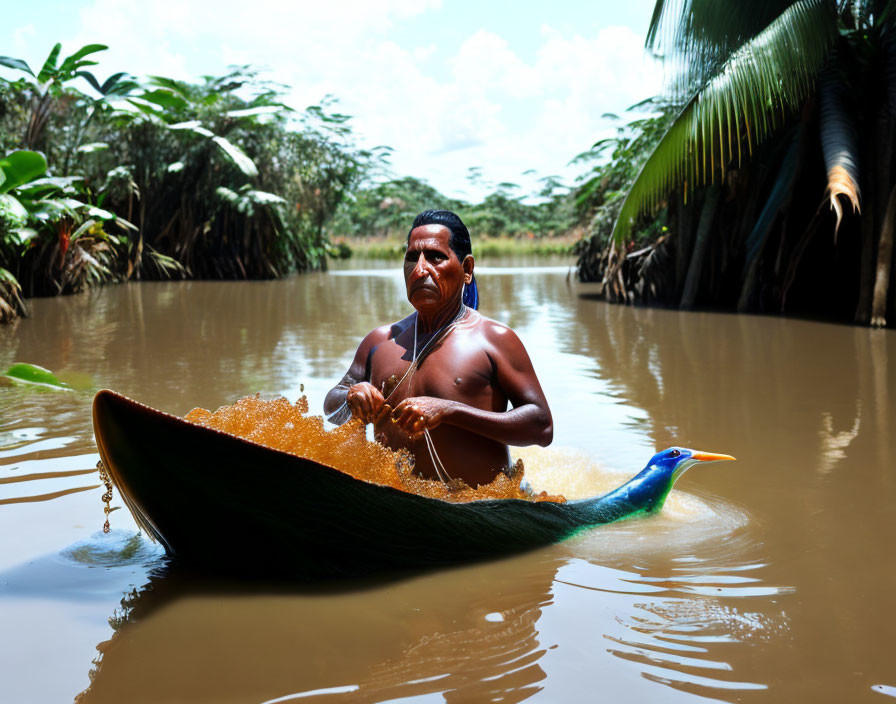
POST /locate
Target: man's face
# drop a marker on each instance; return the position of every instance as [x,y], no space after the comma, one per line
[433,274]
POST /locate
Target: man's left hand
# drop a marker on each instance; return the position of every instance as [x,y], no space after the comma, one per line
[419,413]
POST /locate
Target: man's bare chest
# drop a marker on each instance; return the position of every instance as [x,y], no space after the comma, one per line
[457,369]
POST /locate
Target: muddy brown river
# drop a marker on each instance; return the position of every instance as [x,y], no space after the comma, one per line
[771,579]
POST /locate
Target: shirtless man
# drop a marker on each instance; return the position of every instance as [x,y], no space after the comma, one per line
[468,368]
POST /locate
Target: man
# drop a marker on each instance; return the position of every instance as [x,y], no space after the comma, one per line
[439,382]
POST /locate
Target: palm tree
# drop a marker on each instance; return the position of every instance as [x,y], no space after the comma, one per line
[775,76]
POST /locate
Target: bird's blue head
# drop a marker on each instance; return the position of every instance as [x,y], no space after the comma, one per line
[656,480]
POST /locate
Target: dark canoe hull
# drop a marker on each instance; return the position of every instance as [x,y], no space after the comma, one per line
[221,502]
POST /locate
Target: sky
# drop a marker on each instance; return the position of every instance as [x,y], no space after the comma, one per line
[450,85]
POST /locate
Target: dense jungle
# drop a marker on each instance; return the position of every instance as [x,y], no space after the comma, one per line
[770,186]
[760,180]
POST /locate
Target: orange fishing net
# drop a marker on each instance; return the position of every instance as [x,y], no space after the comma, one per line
[284,426]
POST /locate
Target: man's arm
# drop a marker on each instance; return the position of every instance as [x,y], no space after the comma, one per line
[338,404]
[529,422]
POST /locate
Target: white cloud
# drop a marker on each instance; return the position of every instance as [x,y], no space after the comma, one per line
[513,116]
[498,112]
[20,37]
[444,108]
[422,53]
[486,64]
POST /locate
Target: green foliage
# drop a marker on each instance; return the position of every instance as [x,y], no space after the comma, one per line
[20,167]
[31,374]
[386,211]
[781,106]
[747,82]
[617,161]
[394,247]
[322,168]
[11,303]
[49,233]
[201,142]
[105,180]
[697,36]
[506,212]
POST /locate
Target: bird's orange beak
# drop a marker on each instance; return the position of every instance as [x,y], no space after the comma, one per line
[710,457]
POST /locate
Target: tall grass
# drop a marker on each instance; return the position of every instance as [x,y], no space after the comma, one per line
[394,248]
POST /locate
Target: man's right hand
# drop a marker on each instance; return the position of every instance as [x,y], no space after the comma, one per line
[365,402]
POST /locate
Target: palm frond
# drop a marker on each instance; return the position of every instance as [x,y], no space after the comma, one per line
[698,36]
[770,74]
[165,267]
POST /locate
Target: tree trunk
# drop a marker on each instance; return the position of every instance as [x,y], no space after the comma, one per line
[134,268]
[743,302]
[884,262]
[802,157]
[885,126]
[892,297]
[778,201]
[866,271]
[683,245]
[883,155]
[878,151]
[707,216]
[797,254]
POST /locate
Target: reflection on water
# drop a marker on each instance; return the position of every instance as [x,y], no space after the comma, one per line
[767,579]
[392,640]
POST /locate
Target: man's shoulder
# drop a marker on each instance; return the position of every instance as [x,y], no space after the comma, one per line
[496,332]
[386,332]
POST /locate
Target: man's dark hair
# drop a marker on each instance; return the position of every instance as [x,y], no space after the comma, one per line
[460,236]
[459,242]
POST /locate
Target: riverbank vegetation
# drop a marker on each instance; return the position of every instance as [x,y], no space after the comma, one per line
[394,247]
[110,178]
[771,185]
[373,221]
[762,180]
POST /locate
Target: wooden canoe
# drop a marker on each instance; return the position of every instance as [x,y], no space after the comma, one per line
[224,503]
